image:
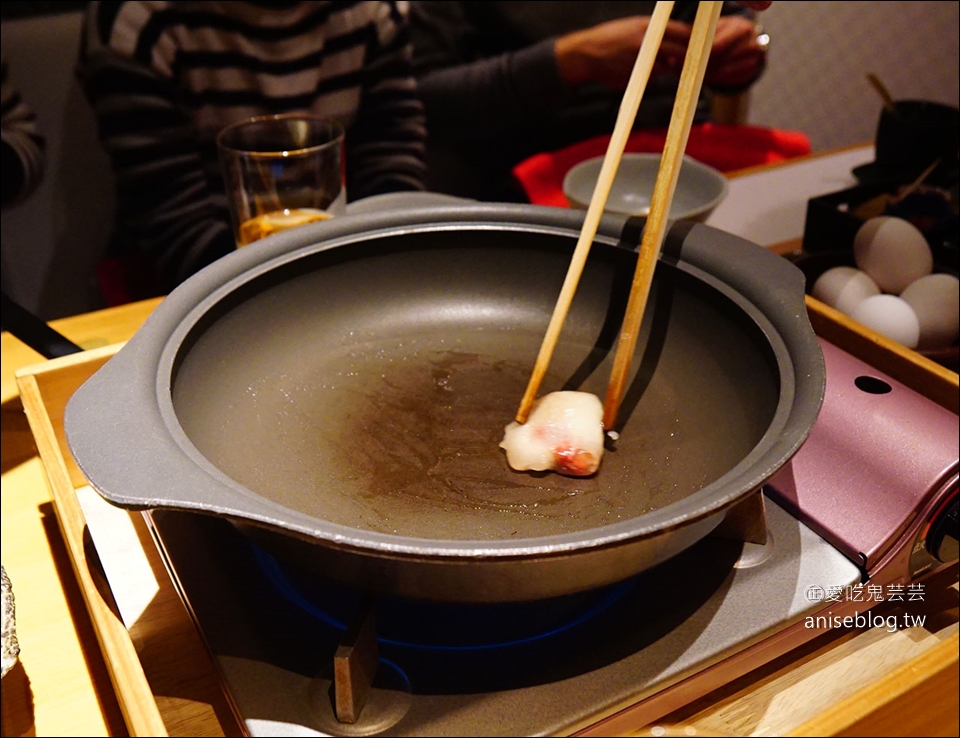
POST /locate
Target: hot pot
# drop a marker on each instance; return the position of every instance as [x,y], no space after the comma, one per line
[338,392]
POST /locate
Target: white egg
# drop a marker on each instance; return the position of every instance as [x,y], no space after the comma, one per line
[891,316]
[843,288]
[893,252]
[936,301]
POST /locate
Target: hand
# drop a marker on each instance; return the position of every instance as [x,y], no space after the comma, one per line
[607,53]
[735,57]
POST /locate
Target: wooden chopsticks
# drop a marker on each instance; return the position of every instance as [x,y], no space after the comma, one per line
[691,81]
[598,201]
[681,119]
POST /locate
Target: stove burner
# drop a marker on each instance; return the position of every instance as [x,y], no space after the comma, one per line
[409,624]
[588,655]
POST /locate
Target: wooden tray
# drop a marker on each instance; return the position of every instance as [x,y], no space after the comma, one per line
[164,679]
[168,685]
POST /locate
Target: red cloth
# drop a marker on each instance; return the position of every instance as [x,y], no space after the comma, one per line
[126,279]
[722,147]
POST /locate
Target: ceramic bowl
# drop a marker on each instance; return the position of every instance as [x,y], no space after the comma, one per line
[700,188]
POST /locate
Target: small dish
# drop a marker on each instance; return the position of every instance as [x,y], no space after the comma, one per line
[700,188]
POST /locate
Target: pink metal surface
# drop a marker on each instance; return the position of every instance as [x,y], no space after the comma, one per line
[878,454]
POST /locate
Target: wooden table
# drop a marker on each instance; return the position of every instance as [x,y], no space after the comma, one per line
[60,685]
[844,682]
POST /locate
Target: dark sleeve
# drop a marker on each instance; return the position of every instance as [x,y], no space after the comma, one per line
[467,98]
[23,145]
[165,210]
[385,144]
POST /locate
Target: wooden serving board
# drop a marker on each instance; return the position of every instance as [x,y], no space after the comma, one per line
[164,679]
[844,682]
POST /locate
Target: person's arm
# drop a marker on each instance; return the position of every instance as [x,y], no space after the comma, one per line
[22,146]
[385,143]
[607,52]
[165,209]
[470,99]
[467,99]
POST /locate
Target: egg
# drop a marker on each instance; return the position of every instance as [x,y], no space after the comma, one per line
[843,288]
[893,252]
[936,301]
[890,316]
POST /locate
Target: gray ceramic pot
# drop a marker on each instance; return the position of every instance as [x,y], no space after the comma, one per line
[339,391]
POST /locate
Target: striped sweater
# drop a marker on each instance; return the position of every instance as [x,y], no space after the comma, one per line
[164,77]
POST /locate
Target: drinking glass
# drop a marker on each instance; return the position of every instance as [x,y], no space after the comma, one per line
[282,171]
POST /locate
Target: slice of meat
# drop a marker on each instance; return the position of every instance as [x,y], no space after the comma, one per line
[564,433]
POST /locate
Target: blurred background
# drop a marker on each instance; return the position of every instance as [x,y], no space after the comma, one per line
[815,82]
[820,53]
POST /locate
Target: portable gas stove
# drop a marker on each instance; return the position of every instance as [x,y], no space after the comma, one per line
[870,498]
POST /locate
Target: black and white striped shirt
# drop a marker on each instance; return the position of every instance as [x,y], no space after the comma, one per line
[164,77]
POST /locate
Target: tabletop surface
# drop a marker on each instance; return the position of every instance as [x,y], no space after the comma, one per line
[768,205]
[61,686]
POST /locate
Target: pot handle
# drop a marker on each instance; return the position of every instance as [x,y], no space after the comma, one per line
[139,468]
[761,275]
